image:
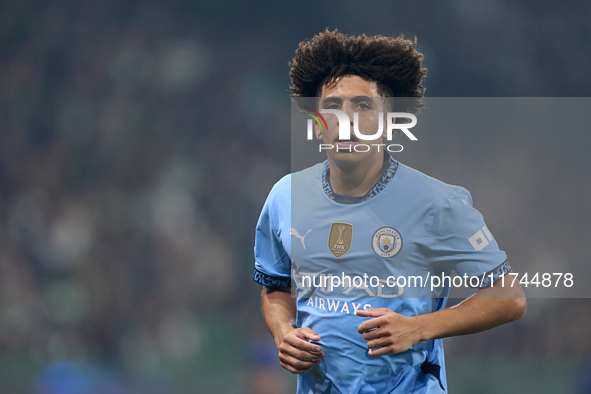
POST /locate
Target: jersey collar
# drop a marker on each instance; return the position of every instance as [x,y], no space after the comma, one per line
[389,171]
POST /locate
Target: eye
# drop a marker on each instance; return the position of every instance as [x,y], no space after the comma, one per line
[363,106]
[332,106]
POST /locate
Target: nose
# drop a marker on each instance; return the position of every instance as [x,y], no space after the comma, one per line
[348,110]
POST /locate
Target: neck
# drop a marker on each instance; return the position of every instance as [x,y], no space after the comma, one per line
[354,179]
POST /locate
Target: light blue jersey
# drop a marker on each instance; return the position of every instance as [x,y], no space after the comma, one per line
[408,225]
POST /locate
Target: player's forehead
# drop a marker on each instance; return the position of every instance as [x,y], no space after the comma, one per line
[350,86]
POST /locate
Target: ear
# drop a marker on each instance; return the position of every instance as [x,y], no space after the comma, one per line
[317,131]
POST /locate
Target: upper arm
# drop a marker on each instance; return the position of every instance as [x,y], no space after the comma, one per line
[460,240]
[270,289]
[272,261]
[508,293]
[279,300]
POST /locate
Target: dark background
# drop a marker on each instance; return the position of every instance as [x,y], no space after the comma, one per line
[139,139]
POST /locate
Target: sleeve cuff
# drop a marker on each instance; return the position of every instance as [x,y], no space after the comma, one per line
[497,272]
[270,281]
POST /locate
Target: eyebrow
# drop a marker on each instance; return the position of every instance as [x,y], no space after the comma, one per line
[358,99]
[325,100]
[338,100]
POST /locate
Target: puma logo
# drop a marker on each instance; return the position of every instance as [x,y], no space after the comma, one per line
[294,232]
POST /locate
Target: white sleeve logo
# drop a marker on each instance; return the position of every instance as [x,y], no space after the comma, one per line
[482,238]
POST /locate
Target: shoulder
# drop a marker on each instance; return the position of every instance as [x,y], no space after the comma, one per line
[281,191]
[309,175]
[281,187]
[425,186]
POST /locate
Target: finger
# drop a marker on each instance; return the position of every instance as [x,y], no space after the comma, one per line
[300,354]
[373,312]
[380,342]
[292,369]
[308,333]
[380,352]
[301,344]
[368,325]
[298,365]
[374,334]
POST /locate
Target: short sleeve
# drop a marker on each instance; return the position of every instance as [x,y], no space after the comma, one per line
[461,241]
[272,262]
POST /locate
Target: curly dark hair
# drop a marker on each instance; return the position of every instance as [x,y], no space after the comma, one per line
[393,63]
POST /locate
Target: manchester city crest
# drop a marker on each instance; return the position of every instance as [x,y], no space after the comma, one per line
[386,242]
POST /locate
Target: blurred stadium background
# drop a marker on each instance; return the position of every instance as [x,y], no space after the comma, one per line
[139,139]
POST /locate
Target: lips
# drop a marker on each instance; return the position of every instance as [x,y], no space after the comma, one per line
[345,144]
[348,143]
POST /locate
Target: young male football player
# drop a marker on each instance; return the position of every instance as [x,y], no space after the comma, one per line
[364,212]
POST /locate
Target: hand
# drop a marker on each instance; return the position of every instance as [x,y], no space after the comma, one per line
[390,331]
[296,354]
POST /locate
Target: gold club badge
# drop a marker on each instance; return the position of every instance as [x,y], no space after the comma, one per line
[340,238]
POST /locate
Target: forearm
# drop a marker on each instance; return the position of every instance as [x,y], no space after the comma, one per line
[489,308]
[279,310]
